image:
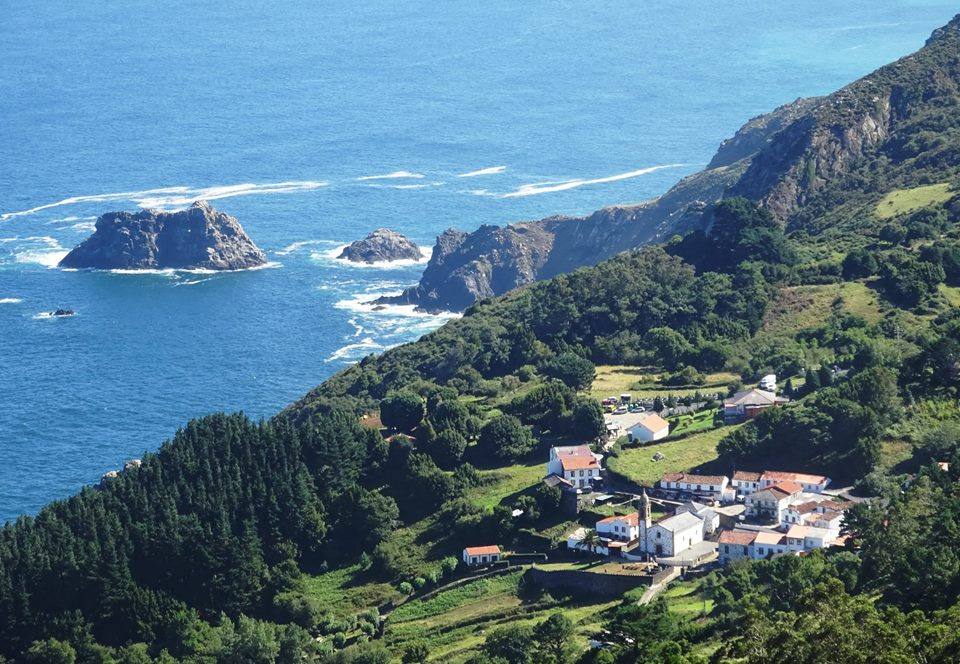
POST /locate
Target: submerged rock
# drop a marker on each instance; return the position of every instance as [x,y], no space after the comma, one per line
[381,245]
[199,237]
[63,312]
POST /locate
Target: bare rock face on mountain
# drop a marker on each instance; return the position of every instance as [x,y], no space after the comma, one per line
[199,237]
[797,161]
[380,246]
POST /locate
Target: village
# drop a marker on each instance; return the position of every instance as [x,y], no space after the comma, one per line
[685,524]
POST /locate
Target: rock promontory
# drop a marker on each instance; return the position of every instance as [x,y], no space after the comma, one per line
[199,237]
[382,245]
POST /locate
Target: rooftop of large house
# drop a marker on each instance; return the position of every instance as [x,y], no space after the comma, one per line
[780,476]
[653,422]
[693,479]
[752,397]
[482,550]
[742,537]
[746,476]
[579,462]
[796,531]
[633,519]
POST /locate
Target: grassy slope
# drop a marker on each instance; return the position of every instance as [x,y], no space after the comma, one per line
[638,465]
[901,201]
[641,382]
[453,624]
[801,307]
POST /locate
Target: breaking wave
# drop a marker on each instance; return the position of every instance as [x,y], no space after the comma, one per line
[10,300]
[492,170]
[167,197]
[562,185]
[396,175]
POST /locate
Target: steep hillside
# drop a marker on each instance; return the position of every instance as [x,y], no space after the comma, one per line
[815,164]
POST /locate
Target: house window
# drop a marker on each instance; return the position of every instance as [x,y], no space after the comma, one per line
[760,550]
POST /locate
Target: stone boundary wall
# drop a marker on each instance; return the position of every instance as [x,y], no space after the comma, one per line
[593,583]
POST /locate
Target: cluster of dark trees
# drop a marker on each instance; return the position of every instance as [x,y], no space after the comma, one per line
[555,407]
[836,431]
[649,306]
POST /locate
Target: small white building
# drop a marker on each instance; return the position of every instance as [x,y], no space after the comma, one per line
[709,517]
[624,528]
[474,556]
[649,428]
[576,464]
[768,545]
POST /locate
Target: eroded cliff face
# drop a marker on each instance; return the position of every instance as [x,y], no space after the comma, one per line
[199,237]
[784,160]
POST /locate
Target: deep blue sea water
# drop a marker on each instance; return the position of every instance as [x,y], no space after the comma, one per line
[277,113]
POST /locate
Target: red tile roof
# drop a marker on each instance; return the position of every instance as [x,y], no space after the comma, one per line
[768,538]
[805,508]
[578,462]
[743,537]
[786,488]
[746,476]
[632,519]
[482,550]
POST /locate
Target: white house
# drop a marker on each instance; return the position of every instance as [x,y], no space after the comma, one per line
[710,518]
[576,464]
[745,482]
[711,486]
[735,544]
[767,545]
[649,428]
[481,555]
[808,483]
[772,502]
[624,528]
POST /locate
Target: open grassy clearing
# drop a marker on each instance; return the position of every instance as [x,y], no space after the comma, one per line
[801,307]
[345,591]
[902,201]
[952,293]
[686,599]
[637,463]
[643,382]
[507,481]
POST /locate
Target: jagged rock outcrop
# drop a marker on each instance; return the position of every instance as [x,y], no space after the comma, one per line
[891,127]
[199,237]
[381,245]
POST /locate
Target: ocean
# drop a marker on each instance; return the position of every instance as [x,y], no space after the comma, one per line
[313,124]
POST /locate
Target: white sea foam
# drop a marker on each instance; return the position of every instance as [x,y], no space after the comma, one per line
[367,345]
[396,175]
[10,300]
[492,170]
[334,255]
[86,226]
[296,246]
[41,250]
[550,187]
[170,272]
[167,197]
[49,315]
